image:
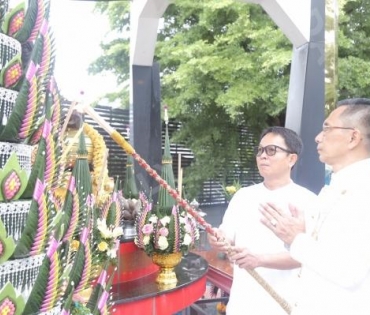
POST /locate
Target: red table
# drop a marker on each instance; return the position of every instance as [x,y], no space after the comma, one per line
[135,291]
[220,270]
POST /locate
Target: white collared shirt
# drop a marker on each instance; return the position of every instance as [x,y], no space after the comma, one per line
[335,277]
[242,223]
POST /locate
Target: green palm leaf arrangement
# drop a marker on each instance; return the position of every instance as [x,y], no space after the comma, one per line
[45,294]
[98,288]
[37,10]
[9,297]
[79,263]
[38,224]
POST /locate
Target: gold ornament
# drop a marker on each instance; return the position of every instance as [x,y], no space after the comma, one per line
[167,262]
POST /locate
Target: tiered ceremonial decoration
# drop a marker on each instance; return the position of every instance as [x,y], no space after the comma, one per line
[49,226]
[165,231]
[129,200]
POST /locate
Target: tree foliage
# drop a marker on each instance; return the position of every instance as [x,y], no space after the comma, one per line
[354,50]
[225,64]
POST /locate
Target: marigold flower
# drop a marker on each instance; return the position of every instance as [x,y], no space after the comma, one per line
[103,246]
[74,245]
[231,189]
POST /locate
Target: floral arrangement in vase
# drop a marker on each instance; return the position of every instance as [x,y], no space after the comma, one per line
[165,232]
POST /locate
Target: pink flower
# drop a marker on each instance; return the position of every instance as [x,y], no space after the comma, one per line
[188,228]
[147,229]
[163,231]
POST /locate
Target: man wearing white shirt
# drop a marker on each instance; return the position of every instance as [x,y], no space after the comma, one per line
[335,253]
[253,245]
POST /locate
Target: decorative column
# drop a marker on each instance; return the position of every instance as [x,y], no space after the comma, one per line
[145,96]
[303,22]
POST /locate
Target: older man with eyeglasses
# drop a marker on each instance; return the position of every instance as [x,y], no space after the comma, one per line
[335,253]
[250,244]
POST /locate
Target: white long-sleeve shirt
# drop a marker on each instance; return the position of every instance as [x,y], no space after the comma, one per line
[335,257]
[242,224]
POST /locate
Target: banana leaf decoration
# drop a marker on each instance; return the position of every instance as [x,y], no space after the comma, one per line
[45,294]
[86,275]
[77,277]
[4,4]
[81,172]
[47,60]
[71,212]
[56,108]
[55,118]
[36,12]
[14,301]
[46,154]
[7,244]
[11,74]
[35,233]
[38,224]
[13,20]
[141,219]
[28,107]
[174,229]
[98,288]
[165,200]
[101,304]
[22,118]
[66,310]
[130,189]
[112,209]
[43,54]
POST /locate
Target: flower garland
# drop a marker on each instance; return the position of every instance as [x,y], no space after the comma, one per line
[99,150]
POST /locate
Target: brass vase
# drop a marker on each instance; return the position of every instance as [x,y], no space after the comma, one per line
[167,263]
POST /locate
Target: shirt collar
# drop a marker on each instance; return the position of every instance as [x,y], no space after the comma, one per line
[351,174]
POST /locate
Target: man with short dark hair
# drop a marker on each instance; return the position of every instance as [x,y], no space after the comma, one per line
[253,245]
[335,253]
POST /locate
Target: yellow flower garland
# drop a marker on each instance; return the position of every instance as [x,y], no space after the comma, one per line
[99,149]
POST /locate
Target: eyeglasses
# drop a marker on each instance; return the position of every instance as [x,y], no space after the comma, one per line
[270,150]
[325,129]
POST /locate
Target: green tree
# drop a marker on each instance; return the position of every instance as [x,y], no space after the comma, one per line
[354,50]
[224,65]
[116,56]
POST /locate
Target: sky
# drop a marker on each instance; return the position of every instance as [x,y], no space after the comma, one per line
[78,32]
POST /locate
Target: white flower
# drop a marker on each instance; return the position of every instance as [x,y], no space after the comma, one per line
[162,242]
[117,231]
[101,223]
[182,220]
[187,228]
[165,220]
[146,239]
[112,253]
[153,219]
[105,232]
[187,239]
